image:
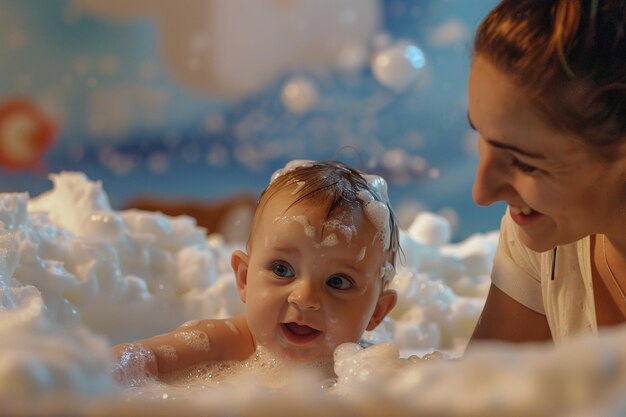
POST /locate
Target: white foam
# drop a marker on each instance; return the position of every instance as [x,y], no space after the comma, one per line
[330,240]
[70,266]
[133,368]
[303,220]
[345,226]
[263,366]
[168,352]
[290,166]
[378,214]
[430,229]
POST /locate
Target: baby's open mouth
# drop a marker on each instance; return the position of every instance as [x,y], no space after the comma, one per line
[300,334]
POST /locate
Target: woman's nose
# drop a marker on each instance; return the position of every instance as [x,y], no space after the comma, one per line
[304,296]
[491,183]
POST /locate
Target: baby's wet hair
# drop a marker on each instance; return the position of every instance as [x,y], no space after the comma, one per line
[333,183]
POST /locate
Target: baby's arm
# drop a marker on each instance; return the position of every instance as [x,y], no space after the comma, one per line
[192,343]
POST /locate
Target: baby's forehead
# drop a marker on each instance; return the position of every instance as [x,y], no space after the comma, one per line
[318,211]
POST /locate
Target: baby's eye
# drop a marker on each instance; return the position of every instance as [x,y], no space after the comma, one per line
[522,166]
[282,270]
[339,283]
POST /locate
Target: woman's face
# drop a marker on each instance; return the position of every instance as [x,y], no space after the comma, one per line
[557,191]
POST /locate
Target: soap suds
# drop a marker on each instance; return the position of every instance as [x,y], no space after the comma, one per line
[167,352]
[195,339]
[361,255]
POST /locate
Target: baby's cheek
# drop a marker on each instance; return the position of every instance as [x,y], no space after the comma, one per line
[257,324]
[341,329]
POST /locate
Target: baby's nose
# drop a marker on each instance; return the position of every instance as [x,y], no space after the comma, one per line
[304,296]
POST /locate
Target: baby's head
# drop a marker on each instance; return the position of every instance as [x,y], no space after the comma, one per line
[320,255]
[344,192]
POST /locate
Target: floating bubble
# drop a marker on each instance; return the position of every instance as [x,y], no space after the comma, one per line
[351,58]
[299,95]
[158,162]
[434,173]
[108,65]
[399,65]
[381,40]
[118,163]
[214,123]
[449,32]
[395,159]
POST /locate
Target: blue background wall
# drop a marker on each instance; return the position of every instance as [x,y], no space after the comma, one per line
[125,118]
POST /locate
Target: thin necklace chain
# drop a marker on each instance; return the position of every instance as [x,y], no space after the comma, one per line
[606,261]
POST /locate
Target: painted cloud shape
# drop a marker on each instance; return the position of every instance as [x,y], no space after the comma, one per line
[232,48]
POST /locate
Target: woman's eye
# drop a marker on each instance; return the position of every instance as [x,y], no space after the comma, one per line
[339,283]
[282,270]
[522,166]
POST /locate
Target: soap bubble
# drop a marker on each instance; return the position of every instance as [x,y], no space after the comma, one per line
[158,162]
[399,65]
[381,40]
[299,95]
[450,32]
[351,58]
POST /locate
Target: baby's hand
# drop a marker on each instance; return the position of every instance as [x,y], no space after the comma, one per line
[134,365]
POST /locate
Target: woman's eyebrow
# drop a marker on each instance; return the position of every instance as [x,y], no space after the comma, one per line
[512,148]
[500,145]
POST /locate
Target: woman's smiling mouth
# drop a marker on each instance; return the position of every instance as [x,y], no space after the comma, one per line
[524,215]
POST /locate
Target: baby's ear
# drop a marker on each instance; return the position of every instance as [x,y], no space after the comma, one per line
[386,302]
[239,263]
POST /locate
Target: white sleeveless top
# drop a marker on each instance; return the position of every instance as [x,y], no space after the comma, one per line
[526,276]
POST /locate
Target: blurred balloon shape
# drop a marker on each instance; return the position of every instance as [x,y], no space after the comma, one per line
[352,58]
[450,32]
[399,65]
[233,48]
[26,133]
[299,95]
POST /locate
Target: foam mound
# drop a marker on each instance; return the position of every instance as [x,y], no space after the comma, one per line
[77,276]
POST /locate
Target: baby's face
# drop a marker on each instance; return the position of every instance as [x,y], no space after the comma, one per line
[308,292]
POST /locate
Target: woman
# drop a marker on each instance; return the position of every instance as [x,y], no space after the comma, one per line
[547,95]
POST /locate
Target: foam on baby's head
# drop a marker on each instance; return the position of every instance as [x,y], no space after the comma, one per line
[342,189]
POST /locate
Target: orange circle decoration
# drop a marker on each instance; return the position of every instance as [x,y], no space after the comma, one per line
[26,133]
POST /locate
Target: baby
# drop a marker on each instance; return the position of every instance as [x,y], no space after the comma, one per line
[315,274]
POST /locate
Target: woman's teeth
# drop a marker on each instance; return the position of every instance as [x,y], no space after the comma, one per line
[521,210]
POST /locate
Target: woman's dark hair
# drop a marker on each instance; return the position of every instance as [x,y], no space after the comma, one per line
[570,56]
